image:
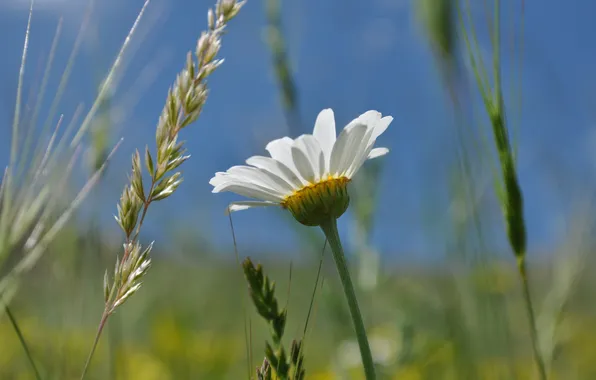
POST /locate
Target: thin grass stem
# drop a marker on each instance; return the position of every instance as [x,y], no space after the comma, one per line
[521,267]
[26,148]
[247,338]
[17,329]
[311,304]
[102,324]
[314,292]
[106,86]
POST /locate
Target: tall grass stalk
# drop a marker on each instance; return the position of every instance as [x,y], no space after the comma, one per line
[439,26]
[468,327]
[183,106]
[32,210]
[508,188]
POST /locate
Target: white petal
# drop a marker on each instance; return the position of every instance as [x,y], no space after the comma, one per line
[368,155]
[345,146]
[356,151]
[378,127]
[249,190]
[381,126]
[368,118]
[277,168]
[303,165]
[360,153]
[244,205]
[377,152]
[311,148]
[281,150]
[325,133]
[248,175]
[219,177]
[261,177]
[223,178]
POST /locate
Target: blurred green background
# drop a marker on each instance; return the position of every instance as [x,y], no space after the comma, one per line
[425,322]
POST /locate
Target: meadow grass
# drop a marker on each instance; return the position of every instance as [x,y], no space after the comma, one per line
[467,318]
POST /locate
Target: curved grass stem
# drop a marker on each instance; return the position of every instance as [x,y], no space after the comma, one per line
[521,266]
[330,230]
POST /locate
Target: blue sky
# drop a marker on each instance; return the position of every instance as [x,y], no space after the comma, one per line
[349,55]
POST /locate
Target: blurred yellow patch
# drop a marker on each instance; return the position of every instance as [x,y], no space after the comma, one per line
[326,375]
[408,373]
[135,364]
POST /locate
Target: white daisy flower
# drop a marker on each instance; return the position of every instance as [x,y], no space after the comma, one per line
[308,175]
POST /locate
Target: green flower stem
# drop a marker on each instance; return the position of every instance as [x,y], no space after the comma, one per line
[330,230]
[521,266]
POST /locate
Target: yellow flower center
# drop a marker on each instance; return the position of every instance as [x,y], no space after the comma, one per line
[318,202]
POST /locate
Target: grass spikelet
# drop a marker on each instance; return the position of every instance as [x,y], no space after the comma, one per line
[277,364]
[183,107]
